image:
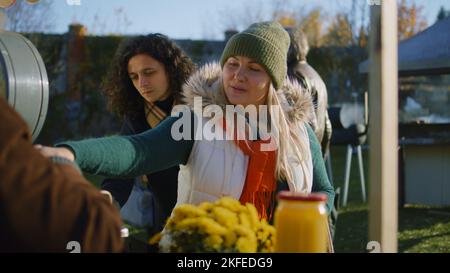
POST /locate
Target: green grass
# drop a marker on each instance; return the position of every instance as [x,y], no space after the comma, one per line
[422,229]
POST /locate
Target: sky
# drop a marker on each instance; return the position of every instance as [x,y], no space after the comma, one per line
[189,19]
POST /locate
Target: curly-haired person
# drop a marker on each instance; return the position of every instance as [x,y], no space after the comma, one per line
[143,84]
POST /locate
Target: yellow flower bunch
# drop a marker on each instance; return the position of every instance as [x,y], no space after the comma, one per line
[222,226]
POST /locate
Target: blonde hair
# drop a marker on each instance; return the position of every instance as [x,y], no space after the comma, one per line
[287,137]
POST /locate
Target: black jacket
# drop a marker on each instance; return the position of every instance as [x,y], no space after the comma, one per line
[162,184]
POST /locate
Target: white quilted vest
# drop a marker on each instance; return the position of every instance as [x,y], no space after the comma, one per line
[218,168]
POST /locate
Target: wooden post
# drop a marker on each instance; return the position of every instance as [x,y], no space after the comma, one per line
[383,91]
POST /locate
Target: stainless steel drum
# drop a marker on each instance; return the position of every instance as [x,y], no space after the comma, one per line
[23,79]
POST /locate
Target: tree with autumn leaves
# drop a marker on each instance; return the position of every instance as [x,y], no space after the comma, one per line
[341,29]
[410,19]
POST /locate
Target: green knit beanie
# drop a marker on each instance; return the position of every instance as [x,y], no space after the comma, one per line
[267,43]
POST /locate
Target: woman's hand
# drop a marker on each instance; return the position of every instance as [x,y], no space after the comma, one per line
[60,152]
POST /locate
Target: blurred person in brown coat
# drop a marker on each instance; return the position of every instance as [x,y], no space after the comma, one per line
[44,205]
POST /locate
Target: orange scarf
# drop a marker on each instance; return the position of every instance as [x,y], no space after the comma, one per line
[154,114]
[260,182]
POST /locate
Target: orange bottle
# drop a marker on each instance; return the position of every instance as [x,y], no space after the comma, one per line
[301,223]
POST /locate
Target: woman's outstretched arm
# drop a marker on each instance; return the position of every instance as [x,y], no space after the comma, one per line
[130,156]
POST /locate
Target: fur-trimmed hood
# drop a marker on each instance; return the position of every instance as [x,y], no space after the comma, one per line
[295,101]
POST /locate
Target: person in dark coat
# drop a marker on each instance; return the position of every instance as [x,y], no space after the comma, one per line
[143,84]
[44,205]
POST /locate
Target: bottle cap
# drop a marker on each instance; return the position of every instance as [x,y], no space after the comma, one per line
[287,195]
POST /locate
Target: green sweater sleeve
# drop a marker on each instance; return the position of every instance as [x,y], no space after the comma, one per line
[131,156]
[321,183]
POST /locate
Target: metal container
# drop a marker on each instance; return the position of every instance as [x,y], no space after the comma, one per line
[23,79]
